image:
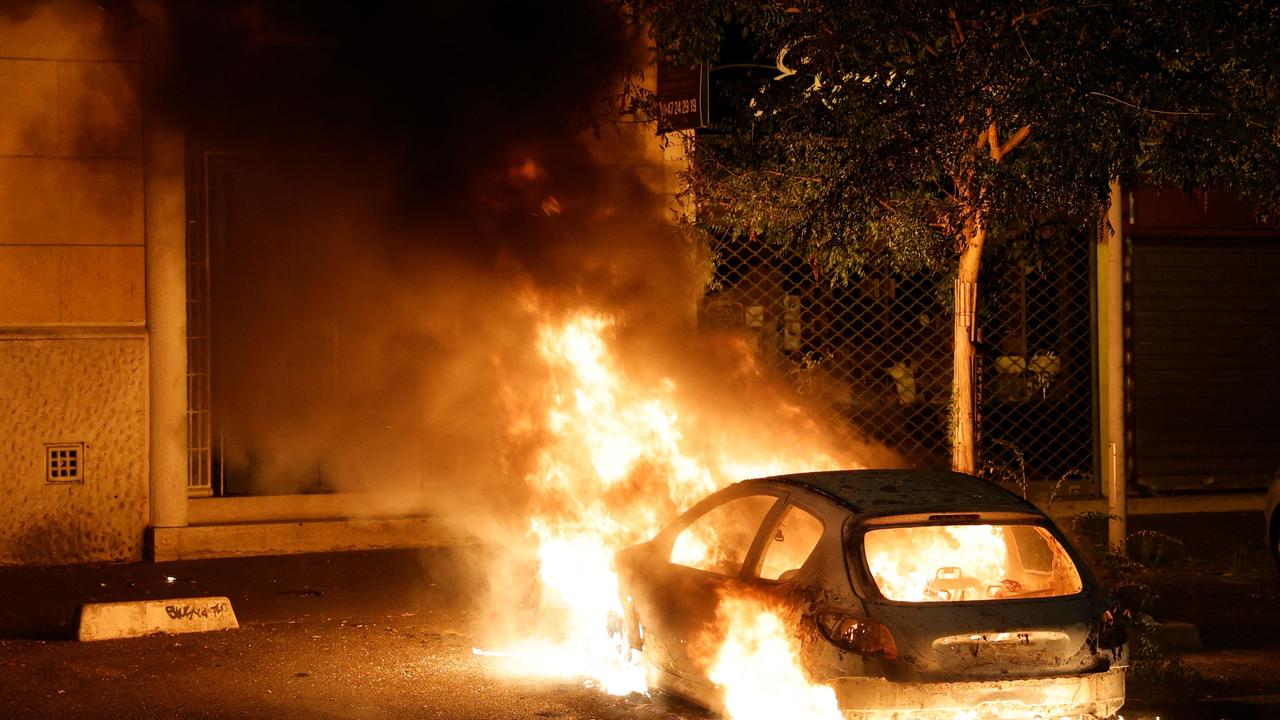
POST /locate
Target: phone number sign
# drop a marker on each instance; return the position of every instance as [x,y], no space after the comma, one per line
[683,93]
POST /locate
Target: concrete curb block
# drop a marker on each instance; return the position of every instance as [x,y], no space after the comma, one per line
[113,621]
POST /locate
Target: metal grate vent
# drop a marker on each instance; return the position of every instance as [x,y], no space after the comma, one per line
[64,463]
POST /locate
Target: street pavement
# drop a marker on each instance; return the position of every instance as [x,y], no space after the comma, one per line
[361,635]
[390,634]
[1218,574]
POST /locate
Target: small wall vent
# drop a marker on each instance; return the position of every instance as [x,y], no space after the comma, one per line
[64,463]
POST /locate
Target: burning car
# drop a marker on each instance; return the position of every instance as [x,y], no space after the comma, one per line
[913,594]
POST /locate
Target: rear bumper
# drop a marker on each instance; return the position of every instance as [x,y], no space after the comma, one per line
[1095,695]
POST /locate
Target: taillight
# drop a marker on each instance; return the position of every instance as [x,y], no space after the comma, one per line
[859,635]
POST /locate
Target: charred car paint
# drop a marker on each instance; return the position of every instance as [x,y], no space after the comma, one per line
[985,609]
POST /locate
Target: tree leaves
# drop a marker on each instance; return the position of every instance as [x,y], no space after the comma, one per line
[872,147]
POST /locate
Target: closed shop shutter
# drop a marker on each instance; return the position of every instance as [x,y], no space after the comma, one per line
[1205,362]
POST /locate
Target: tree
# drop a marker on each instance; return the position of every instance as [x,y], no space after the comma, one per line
[916,130]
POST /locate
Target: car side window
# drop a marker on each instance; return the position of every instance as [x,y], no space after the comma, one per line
[1033,550]
[793,541]
[718,541]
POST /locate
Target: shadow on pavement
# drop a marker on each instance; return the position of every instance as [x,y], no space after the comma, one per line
[44,603]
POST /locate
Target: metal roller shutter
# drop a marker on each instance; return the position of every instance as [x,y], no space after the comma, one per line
[1205,362]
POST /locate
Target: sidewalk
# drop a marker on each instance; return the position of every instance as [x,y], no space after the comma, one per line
[1215,571]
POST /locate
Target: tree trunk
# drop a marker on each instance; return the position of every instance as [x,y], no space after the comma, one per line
[963,398]
[964,451]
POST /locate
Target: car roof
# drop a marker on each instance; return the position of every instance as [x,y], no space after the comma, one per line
[895,492]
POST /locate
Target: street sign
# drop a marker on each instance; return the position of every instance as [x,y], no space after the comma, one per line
[683,94]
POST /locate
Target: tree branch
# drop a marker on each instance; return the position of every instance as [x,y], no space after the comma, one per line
[1013,142]
[790,176]
[956,22]
[998,149]
[982,137]
[1032,17]
[1135,106]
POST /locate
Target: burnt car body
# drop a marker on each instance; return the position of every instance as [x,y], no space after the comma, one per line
[932,642]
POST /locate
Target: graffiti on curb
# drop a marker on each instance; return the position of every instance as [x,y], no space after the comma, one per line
[184,611]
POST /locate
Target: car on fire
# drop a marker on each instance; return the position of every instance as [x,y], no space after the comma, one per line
[918,593]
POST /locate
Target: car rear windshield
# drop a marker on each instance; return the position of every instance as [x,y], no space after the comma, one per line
[960,563]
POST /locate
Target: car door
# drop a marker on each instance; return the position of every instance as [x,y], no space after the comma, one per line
[787,571]
[700,555]
[791,537]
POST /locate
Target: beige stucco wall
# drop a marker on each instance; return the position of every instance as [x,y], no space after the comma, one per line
[73,347]
[89,390]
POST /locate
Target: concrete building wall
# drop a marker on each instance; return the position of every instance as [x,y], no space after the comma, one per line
[62,391]
[73,344]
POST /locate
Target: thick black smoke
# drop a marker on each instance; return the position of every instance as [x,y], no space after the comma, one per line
[449,90]
[391,197]
[383,184]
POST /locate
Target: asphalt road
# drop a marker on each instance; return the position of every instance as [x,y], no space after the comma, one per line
[351,635]
[390,635]
[367,668]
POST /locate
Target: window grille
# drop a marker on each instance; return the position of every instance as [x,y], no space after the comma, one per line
[199,420]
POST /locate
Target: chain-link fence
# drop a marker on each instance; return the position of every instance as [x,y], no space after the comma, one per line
[1037,369]
[878,350]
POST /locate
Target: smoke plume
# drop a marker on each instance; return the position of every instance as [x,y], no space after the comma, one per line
[391,198]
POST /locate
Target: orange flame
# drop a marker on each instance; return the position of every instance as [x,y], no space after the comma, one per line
[968,562]
[757,669]
[622,456]
[904,561]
